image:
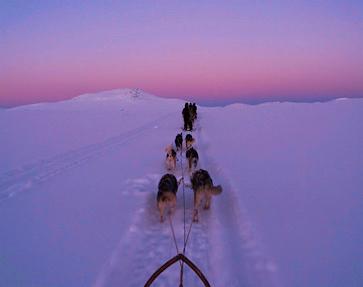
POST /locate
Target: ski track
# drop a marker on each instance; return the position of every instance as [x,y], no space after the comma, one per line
[25,177]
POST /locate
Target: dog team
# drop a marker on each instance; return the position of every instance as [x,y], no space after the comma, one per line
[201,182]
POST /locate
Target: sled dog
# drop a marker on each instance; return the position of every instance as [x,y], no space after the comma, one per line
[189,140]
[179,141]
[193,157]
[170,161]
[203,188]
[166,197]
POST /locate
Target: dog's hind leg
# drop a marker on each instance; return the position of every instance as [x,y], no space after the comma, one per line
[161,210]
[197,202]
[208,200]
[195,215]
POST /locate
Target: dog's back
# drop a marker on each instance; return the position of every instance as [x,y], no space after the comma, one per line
[201,178]
[193,157]
[179,141]
[203,188]
[170,161]
[189,140]
[166,197]
[168,183]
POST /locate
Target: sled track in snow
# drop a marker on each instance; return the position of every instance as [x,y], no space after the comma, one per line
[149,243]
[222,244]
[143,248]
[25,177]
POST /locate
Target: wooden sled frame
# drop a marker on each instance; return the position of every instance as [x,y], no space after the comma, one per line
[170,262]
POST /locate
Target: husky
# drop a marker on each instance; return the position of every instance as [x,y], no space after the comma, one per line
[170,161]
[179,141]
[193,157]
[203,188]
[189,140]
[166,197]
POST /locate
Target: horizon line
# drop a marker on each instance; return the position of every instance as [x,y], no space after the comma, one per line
[215,102]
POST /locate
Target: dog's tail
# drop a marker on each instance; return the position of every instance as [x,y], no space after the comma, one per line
[215,190]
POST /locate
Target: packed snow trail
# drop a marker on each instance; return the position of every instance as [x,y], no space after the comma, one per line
[149,243]
[221,244]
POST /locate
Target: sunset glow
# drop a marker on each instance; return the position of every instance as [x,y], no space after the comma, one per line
[206,51]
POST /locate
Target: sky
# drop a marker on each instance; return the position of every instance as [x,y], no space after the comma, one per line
[205,51]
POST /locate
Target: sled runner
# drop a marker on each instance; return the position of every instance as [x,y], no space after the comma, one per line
[167,264]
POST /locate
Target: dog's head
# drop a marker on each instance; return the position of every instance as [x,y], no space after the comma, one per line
[179,139]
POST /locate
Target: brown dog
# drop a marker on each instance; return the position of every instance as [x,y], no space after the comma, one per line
[193,157]
[170,161]
[189,141]
[203,188]
[166,197]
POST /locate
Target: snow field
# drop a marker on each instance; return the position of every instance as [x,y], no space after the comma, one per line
[78,184]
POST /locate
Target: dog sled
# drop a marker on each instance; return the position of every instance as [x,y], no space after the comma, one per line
[180,257]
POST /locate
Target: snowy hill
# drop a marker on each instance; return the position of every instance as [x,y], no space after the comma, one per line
[78,181]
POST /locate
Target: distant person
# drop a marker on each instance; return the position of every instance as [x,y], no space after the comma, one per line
[188,125]
[194,108]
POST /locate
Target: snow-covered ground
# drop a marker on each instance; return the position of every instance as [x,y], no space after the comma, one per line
[78,182]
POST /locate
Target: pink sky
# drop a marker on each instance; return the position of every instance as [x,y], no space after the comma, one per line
[205,51]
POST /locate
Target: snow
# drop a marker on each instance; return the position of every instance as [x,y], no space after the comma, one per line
[78,182]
